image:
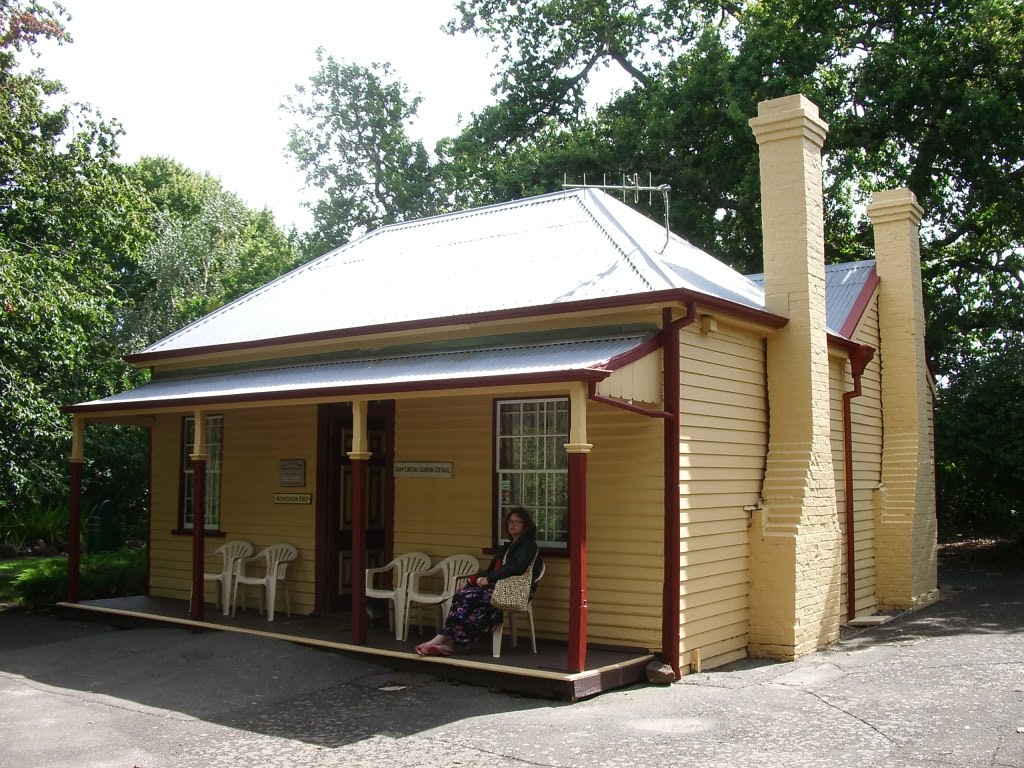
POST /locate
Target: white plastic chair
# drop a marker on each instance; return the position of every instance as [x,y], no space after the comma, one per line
[400,568]
[496,634]
[276,558]
[451,569]
[231,552]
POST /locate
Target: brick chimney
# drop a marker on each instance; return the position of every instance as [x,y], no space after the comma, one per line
[905,526]
[795,540]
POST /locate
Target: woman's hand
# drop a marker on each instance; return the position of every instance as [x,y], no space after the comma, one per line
[482,581]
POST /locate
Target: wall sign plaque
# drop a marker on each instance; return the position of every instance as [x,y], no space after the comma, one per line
[436,469]
[293,498]
[291,473]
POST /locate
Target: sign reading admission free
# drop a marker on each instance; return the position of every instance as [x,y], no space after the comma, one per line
[435,469]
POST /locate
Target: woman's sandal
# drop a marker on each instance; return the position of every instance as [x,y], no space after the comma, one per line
[434,650]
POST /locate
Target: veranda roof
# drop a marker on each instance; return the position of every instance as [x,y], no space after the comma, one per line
[587,355]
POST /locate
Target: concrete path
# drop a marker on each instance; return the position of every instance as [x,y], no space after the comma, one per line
[942,687]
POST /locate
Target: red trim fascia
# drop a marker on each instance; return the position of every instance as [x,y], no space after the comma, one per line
[75,530]
[670,629]
[552,377]
[626,406]
[653,344]
[861,304]
[612,302]
[859,359]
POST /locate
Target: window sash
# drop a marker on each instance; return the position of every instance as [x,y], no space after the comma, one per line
[532,464]
[214,459]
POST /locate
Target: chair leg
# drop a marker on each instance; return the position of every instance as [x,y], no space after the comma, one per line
[407,611]
[271,589]
[496,641]
[399,617]
[533,636]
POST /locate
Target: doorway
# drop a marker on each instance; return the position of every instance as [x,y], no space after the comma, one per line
[334,504]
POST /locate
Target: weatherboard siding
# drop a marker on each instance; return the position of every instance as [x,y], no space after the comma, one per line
[625,513]
[723,443]
[624,509]
[254,442]
[444,516]
[840,381]
[866,433]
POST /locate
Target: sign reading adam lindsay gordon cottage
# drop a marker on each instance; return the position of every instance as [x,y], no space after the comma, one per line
[437,469]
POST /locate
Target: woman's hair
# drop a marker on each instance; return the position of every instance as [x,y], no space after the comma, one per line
[529,527]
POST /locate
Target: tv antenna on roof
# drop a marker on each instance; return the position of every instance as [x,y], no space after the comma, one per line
[631,183]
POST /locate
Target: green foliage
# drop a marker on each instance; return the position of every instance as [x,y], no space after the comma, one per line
[116,472]
[36,522]
[209,249]
[71,225]
[96,259]
[979,442]
[108,574]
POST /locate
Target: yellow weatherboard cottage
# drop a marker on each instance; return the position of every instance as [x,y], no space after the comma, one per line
[719,465]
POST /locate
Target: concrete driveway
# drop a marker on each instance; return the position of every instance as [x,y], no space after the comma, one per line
[942,687]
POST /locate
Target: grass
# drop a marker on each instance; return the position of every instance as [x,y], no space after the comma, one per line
[40,582]
[10,570]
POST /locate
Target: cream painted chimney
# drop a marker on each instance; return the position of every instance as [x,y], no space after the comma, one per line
[905,525]
[796,541]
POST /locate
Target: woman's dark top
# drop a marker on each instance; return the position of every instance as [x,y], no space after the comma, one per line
[517,556]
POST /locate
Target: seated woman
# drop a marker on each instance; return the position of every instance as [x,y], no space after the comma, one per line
[472,616]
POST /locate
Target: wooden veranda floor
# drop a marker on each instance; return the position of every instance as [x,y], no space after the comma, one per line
[542,674]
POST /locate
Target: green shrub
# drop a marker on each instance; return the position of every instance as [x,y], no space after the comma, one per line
[39,522]
[107,574]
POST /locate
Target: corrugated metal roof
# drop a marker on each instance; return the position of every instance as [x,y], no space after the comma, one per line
[844,284]
[565,246]
[426,365]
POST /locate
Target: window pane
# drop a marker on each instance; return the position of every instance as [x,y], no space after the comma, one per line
[507,418]
[533,464]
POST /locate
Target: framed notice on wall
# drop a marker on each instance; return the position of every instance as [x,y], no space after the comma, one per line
[292,473]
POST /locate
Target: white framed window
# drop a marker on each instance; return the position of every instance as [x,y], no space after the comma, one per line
[214,459]
[532,464]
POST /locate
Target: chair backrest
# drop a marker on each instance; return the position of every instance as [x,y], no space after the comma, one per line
[278,556]
[538,576]
[232,551]
[455,567]
[406,564]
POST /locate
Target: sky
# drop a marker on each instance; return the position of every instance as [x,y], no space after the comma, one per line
[202,81]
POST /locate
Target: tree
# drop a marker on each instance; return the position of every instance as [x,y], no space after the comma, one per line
[353,146]
[979,436]
[208,249]
[71,226]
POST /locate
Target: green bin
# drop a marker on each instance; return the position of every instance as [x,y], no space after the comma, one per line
[104,531]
